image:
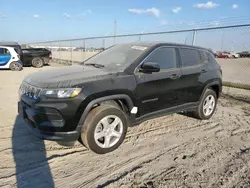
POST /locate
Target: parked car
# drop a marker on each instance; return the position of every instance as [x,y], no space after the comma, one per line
[235,55]
[122,86]
[37,57]
[16,46]
[244,54]
[212,52]
[225,55]
[10,59]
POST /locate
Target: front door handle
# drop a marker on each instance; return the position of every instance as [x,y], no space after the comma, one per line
[174,76]
[203,70]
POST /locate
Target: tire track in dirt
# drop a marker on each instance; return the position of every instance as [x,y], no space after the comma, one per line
[202,152]
[217,151]
[128,168]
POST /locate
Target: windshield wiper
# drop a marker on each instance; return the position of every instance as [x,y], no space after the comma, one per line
[95,65]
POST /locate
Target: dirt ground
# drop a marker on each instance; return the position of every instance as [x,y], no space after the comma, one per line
[171,151]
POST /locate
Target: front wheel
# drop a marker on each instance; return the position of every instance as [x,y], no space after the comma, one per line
[207,105]
[104,129]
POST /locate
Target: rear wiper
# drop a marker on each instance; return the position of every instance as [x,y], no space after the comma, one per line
[95,65]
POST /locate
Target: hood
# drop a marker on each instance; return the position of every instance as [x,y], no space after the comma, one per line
[66,76]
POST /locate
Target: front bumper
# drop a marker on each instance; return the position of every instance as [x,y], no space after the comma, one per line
[51,121]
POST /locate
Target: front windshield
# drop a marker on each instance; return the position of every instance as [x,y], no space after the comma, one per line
[118,56]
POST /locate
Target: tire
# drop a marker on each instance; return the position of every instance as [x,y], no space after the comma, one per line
[95,134]
[208,96]
[15,66]
[37,62]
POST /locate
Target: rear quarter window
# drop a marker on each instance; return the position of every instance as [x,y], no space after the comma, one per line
[16,50]
[189,57]
[204,57]
[211,57]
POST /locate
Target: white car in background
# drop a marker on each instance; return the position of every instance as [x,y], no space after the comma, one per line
[10,59]
[235,55]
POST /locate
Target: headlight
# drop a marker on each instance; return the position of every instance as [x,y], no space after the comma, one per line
[61,93]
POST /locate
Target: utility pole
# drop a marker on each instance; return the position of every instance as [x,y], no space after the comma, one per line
[222,40]
[114,31]
[194,37]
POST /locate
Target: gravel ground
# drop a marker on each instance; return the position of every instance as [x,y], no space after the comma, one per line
[171,151]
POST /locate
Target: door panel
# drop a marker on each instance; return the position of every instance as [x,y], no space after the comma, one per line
[157,91]
[193,70]
[192,83]
[4,59]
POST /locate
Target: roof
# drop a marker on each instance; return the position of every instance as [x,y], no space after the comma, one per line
[8,43]
[6,47]
[152,43]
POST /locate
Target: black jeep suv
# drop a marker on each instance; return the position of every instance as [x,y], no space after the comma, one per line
[124,85]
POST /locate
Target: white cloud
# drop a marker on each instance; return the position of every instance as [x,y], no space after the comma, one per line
[36,16]
[2,15]
[151,11]
[215,23]
[208,5]
[66,15]
[235,6]
[89,11]
[176,10]
[85,13]
[164,22]
[191,23]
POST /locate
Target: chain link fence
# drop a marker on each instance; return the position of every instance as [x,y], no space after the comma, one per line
[231,43]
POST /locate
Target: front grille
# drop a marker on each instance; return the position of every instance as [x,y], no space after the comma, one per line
[30,91]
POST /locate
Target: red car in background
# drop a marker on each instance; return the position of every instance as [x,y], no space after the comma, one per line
[225,55]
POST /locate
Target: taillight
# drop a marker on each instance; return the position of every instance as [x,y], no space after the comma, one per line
[50,55]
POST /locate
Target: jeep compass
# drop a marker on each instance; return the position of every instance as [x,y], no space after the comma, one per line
[96,101]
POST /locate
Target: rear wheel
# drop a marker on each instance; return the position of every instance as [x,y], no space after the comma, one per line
[15,66]
[207,105]
[37,62]
[104,129]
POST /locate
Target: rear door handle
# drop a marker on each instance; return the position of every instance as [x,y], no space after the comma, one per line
[174,76]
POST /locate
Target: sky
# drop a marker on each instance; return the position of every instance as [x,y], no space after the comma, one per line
[43,20]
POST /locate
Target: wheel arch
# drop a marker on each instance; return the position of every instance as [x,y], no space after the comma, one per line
[215,85]
[122,100]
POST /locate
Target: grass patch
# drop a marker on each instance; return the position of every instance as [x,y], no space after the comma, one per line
[236,85]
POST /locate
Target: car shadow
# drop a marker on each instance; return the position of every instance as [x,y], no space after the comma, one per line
[187,114]
[29,152]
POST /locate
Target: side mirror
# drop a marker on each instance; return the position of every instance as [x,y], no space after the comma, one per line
[149,67]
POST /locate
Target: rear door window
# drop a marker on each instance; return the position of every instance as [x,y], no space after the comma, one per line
[190,57]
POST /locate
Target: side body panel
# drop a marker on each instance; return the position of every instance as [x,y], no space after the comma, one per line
[6,59]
